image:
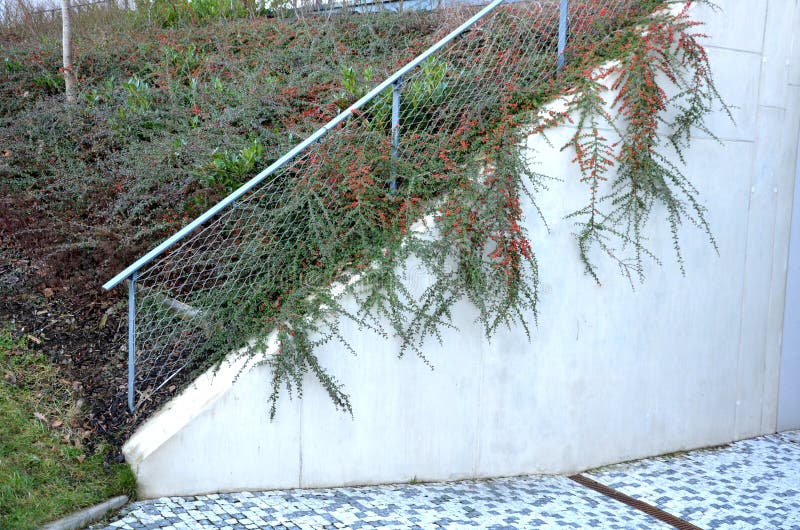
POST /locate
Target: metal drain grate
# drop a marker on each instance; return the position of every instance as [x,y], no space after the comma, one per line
[642,506]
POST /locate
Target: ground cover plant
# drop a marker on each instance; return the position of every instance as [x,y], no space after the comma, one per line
[174,114]
[169,119]
[48,465]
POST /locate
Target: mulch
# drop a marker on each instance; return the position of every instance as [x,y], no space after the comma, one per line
[83,332]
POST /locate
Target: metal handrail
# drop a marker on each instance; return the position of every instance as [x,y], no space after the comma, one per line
[395,81]
[299,148]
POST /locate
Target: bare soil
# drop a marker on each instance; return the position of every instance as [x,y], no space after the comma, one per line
[80,330]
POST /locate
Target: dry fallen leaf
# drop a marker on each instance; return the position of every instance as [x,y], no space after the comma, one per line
[57,423]
[48,292]
[81,458]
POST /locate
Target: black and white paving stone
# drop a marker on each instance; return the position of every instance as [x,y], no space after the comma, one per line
[753,484]
[748,484]
[530,502]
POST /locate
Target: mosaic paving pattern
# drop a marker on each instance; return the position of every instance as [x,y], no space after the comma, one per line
[754,484]
[749,484]
[530,502]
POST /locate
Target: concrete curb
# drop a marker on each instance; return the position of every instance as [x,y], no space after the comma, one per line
[87,516]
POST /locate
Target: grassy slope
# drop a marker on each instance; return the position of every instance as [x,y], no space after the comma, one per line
[46,472]
[171,119]
[163,118]
[163,127]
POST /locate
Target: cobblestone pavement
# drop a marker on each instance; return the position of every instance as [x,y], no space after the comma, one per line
[754,484]
[749,484]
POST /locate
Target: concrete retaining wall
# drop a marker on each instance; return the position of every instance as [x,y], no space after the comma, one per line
[610,374]
[789,392]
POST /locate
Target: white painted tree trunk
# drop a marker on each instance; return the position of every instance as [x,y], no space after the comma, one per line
[66,46]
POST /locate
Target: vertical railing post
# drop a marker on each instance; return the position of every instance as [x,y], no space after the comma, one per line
[131,340]
[396,86]
[563,10]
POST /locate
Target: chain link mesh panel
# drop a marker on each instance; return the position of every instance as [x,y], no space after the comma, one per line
[193,301]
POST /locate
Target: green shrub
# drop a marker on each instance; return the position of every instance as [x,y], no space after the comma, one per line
[139,98]
[228,169]
[168,13]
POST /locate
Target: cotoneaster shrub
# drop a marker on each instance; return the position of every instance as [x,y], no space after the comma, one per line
[172,119]
[482,252]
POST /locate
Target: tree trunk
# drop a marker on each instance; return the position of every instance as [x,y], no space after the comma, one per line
[66,47]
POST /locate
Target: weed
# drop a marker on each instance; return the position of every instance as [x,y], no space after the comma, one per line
[138,94]
[11,65]
[47,82]
[229,169]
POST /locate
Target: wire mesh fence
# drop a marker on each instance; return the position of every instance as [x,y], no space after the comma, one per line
[32,12]
[211,286]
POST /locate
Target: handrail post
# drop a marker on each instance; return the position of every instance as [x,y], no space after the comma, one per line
[288,156]
[396,88]
[131,340]
[563,10]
